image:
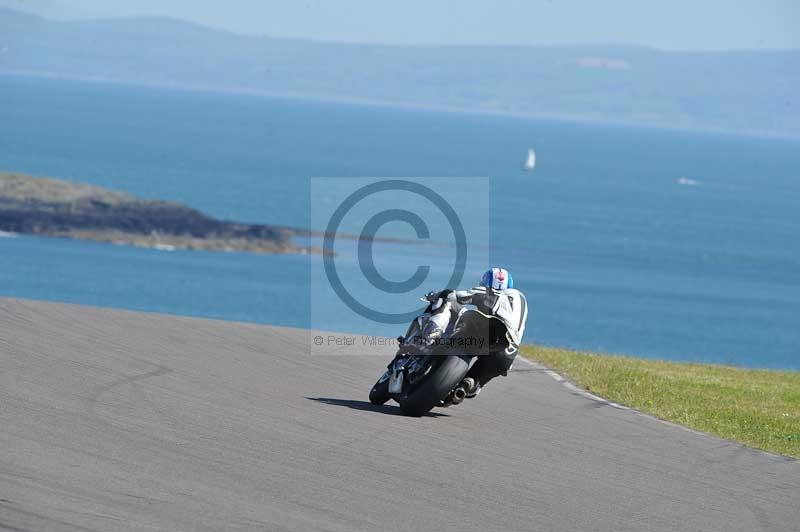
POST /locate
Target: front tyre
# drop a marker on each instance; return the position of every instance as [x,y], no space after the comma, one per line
[379,393]
[436,387]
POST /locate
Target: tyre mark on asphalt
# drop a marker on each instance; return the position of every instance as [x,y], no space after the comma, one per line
[98,391]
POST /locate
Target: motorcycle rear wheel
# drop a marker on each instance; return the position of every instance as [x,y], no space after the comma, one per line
[435,387]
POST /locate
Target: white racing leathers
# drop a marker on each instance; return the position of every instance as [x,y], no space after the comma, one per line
[510,306]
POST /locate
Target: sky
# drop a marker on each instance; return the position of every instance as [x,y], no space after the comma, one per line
[671,25]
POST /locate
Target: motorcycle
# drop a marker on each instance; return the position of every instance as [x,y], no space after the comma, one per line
[423,375]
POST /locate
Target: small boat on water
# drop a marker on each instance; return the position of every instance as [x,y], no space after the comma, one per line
[530,162]
[683,180]
[164,247]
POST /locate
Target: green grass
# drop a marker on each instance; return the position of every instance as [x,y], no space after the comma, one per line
[759,408]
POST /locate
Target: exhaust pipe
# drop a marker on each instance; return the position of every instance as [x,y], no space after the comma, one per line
[459,394]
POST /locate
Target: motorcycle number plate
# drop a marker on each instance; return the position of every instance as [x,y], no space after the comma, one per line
[396,382]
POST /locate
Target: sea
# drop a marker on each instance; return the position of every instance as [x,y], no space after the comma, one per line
[649,242]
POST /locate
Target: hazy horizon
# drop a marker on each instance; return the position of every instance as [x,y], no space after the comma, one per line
[752,92]
[681,25]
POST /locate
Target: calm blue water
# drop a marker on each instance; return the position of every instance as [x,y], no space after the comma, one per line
[614,254]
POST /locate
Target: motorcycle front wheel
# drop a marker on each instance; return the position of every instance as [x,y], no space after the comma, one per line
[379,393]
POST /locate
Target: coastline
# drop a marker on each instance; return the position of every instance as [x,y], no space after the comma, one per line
[60,209]
[390,104]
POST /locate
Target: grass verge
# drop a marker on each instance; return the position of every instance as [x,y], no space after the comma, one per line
[759,408]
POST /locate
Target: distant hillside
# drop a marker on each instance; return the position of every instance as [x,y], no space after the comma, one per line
[733,91]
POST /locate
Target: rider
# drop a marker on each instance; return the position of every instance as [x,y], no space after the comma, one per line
[495,296]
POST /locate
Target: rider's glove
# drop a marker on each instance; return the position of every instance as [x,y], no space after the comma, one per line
[433,297]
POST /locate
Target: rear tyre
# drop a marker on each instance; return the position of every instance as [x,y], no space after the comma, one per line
[435,387]
[380,392]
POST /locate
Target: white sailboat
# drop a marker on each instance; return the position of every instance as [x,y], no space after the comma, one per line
[530,162]
[683,180]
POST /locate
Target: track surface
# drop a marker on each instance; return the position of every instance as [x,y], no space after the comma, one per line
[113,420]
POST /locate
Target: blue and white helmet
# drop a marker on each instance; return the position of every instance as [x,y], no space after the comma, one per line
[497,279]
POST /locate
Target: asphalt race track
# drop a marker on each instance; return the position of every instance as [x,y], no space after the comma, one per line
[114,420]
